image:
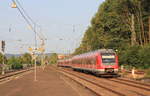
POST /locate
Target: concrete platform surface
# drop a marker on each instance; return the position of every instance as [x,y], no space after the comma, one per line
[49,83]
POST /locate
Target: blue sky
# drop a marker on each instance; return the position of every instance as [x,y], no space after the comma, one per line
[56,18]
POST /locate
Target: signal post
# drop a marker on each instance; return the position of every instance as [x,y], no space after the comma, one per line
[2,49]
[34,56]
[33,52]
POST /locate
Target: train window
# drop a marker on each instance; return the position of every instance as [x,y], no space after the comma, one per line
[73,61]
[87,61]
[108,58]
[93,61]
[107,54]
[90,60]
[83,61]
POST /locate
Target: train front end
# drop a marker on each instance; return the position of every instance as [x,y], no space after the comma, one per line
[108,63]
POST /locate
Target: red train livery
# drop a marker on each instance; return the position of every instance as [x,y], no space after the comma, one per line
[101,62]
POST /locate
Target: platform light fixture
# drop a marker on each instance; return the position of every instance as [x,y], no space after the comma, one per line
[13,5]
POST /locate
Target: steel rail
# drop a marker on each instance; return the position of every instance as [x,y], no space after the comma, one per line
[98,85]
[3,77]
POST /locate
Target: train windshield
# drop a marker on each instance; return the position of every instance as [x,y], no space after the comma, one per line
[108,58]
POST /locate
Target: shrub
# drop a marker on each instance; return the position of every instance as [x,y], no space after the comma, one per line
[144,55]
[130,56]
[15,63]
[147,75]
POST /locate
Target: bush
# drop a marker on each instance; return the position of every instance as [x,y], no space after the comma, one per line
[15,63]
[147,75]
[17,66]
[130,56]
[53,58]
[144,55]
[135,56]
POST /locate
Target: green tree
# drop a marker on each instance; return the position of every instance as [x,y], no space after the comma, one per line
[26,59]
[123,25]
[107,29]
[53,58]
[15,62]
[141,11]
[2,57]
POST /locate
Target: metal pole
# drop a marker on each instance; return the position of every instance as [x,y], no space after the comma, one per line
[3,68]
[35,79]
[30,22]
[35,68]
[3,58]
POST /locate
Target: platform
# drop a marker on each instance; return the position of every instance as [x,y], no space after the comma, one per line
[49,83]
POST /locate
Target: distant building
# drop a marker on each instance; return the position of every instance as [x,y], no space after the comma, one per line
[62,56]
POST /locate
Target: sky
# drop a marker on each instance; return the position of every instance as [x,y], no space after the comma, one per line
[62,23]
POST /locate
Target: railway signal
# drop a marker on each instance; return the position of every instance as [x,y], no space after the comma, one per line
[33,52]
[3,52]
[2,46]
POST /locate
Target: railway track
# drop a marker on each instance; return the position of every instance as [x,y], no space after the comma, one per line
[132,83]
[95,87]
[11,74]
[113,86]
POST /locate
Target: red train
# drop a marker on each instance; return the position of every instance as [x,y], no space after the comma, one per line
[100,62]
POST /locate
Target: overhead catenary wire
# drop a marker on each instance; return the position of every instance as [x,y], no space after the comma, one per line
[32,21]
[22,14]
[34,30]
[18,3]
[28,19]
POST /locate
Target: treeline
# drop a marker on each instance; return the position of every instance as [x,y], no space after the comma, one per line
[22,62]
[19,62]
[26,60]
[122,25]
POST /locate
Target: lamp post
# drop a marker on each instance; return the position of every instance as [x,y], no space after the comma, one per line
[34,54]
[33,28]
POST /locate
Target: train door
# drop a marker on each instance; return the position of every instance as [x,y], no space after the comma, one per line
[98,61]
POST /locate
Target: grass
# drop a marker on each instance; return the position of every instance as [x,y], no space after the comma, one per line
[147,74]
